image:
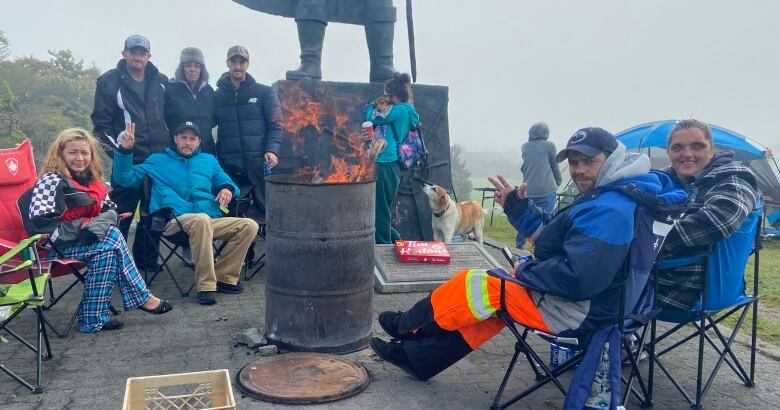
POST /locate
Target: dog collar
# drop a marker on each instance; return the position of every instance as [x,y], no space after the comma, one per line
[439,214]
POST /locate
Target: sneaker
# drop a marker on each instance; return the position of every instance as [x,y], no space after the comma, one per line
[389,323]
[206,298]
[228,288]
[393,352]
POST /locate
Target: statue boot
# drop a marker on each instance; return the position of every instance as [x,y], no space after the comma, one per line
[311,35]
[379,37]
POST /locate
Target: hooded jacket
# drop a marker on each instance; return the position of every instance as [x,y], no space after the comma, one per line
[540,170]
[188,185]
[723,194]
[184,104]
[117,104]
[580,251]
[249,120]
[402,117]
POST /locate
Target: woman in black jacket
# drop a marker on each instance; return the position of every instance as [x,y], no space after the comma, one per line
[190,97]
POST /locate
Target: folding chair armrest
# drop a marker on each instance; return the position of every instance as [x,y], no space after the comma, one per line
[24,243]
[571,341]
[24,265]
[664,264]
[500,273]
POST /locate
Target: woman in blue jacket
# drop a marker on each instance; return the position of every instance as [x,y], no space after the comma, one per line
[401,117]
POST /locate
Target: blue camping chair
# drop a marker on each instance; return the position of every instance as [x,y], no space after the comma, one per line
[723,295]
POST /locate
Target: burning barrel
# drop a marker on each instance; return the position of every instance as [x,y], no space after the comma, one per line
[320,251]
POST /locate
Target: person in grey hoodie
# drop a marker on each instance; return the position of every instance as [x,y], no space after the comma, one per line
[190,97]
[540,170]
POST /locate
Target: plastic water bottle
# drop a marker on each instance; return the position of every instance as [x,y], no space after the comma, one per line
[601,391]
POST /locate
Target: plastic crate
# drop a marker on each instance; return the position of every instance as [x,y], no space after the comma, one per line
[183,391]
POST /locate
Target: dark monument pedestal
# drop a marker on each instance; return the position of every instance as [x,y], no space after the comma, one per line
[339,110]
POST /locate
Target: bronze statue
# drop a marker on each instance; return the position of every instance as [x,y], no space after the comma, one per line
[312,16]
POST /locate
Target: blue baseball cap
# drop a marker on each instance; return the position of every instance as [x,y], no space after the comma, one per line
[589,142]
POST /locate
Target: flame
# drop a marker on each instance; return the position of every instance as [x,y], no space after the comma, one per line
[323,119]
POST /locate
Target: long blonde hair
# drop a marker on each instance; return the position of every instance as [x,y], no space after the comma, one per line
[54,161]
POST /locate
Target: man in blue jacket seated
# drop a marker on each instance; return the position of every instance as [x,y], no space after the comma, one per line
[194,186]
[570,285]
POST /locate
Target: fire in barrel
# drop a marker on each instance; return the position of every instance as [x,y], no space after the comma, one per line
[320,226]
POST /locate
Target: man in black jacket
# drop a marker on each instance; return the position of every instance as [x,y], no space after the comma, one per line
[133,92]
[249,134]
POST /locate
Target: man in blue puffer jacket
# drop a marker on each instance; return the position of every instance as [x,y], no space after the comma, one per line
[194,186]
[569,288]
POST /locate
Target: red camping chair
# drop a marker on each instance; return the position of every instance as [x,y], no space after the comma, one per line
[17,175]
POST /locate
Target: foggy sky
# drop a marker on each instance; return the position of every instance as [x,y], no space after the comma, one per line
[613,64]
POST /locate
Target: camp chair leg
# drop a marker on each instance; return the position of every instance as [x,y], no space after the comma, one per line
[496,405]
[33,389]
[41,338]
[42,324]
[634,374]
[651,364]
[739,371]
[752,379]
[259,260]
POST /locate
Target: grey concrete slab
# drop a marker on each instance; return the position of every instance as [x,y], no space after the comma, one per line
[90,371]
[392,276]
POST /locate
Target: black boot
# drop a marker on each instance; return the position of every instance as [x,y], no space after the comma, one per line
[311,35]
[379,37]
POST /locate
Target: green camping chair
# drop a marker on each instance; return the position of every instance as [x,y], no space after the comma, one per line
[22,285]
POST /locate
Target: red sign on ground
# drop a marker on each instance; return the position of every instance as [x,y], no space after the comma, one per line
[422,252]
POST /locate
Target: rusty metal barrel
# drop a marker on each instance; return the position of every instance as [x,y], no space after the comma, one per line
[320,251]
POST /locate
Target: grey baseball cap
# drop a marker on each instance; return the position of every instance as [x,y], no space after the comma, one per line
[137,40]
[237,51]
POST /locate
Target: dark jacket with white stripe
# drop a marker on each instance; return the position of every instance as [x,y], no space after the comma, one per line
[249,123]
[116,104]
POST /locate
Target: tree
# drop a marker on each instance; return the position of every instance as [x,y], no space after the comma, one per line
[5,49]
[461,182]
[40,98]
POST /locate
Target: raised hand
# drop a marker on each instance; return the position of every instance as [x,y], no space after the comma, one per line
[504,189]
[127,137]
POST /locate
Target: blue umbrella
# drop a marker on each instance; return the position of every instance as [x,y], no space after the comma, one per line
[655,134]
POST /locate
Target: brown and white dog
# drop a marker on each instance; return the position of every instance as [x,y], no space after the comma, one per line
[450,218]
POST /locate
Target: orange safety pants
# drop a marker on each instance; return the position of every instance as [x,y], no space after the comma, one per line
[467,304]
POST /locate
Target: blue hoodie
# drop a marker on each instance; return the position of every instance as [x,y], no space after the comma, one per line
[580,251]
[187,185]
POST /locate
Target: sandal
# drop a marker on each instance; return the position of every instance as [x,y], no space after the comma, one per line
[163,307]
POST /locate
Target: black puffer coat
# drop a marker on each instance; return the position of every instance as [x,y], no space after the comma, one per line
[116,104]
[249,121]
[182,104]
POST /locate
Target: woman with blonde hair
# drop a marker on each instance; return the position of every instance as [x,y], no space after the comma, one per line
[70,203]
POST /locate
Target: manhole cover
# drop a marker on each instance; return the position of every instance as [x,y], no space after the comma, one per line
[302,378]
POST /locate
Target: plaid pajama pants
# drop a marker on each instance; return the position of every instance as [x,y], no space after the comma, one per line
[108,261]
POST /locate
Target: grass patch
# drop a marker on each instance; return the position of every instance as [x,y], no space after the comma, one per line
[769,291]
